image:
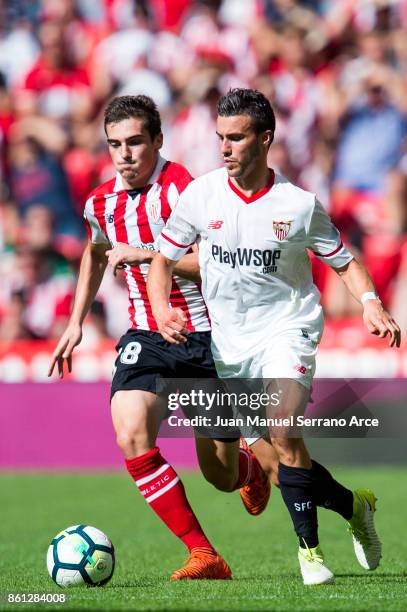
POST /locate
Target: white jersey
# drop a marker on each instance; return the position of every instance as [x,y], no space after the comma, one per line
[256,272]
[137,217]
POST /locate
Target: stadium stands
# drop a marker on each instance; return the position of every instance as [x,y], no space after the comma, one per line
[335,72]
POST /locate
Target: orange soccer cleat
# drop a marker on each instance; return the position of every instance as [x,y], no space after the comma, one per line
[203,564]
[255,496]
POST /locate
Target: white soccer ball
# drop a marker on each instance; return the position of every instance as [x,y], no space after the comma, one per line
[80,555]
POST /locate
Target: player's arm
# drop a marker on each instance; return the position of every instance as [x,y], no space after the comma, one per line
[171,322]
[188,266]
[377,320]
[122,253]
[326,243]
[93,265]
[176,239]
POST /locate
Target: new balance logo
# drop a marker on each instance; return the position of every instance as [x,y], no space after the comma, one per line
[215,224]
[109,217]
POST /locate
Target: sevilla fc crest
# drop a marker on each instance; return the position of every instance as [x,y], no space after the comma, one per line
[153,204]
[281,229]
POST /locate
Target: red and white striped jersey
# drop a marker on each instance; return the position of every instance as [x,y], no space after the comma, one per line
[137,217]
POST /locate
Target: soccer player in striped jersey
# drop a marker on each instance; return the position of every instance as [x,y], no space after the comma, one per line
[124,217]
[254,228]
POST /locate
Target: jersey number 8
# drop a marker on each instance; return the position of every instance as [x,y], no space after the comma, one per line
[129,355]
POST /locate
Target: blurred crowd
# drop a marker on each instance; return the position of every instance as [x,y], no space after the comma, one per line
[335,72]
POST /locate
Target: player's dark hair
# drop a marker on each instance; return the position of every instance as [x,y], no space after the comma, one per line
[248,102]
[138,107]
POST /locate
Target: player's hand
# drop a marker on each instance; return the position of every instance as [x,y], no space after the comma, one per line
[380,323]
[172,325]
[63,352]
[123,253]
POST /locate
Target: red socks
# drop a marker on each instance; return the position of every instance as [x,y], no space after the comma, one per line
[248,468]
[162,489]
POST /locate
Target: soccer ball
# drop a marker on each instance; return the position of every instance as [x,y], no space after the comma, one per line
[80,555]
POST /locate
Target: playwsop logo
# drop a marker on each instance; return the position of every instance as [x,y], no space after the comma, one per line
[264,259]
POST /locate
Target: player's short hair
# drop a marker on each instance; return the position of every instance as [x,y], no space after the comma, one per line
[138,107]
[248,102]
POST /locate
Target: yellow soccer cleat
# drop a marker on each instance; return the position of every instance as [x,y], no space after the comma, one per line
[313,568]
[368,548]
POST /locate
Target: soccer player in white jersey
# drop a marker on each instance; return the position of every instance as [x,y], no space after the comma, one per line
[253,228]
[124,217]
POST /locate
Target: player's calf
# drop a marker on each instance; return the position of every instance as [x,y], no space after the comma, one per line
[331,494]
[296,486]
[221,478]
[226,466]
[164,492]
[267,456]
[136,417]
[219,462]
[292,452]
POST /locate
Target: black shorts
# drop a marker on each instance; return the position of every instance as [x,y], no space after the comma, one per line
[145,359]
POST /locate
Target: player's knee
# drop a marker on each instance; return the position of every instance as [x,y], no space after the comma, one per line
[224,484]
[125,442]
[132,441]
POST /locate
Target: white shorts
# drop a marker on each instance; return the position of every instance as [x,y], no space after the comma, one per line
[288,356]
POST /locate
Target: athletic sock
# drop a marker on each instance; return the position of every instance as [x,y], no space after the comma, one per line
[330,494]
[162,489]
[249,469]
[296,486]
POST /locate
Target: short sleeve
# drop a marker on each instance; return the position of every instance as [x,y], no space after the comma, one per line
[95,232]
[324,239]
[179,179]
[180,232]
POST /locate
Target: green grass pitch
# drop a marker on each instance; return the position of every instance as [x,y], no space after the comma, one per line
[260,550]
